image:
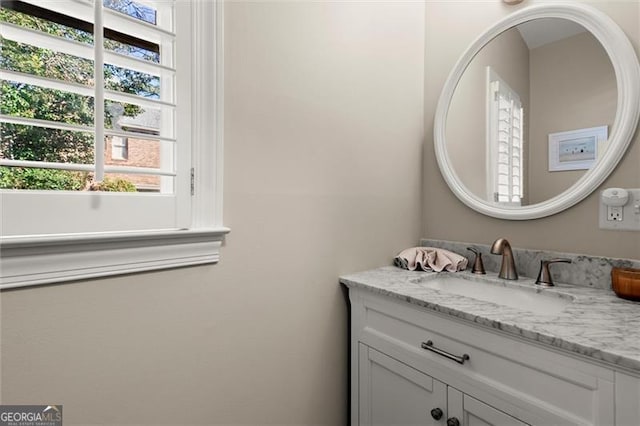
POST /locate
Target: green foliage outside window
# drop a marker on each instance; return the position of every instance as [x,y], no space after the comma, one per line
[44,179]
[114,185]
[31,143]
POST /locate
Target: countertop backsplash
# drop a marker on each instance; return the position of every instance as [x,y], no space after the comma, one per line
[591,271]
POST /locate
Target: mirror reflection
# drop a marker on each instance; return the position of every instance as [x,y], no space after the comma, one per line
[531,112]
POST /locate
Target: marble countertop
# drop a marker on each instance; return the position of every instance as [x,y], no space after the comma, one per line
[596,324]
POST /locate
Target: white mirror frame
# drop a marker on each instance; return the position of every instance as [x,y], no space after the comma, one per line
[627,71]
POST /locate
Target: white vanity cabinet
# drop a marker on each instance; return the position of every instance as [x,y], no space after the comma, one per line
[468,411]
[393,393]
[627,400]
[504,381]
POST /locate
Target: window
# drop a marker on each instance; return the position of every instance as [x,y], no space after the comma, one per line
[103,149]
[119,147]
[504,142]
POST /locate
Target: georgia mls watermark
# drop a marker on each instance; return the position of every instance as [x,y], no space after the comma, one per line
[30,415]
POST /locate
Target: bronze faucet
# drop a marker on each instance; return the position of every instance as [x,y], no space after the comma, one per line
[478,266]
[544,276]
[508,268]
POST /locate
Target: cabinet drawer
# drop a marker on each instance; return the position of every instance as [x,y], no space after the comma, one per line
[537,385]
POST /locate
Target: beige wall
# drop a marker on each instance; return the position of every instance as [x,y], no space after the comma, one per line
[508,56]
[575,230]
[573,86]
[323,160]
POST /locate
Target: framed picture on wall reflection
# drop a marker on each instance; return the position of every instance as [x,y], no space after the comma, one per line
[576,149]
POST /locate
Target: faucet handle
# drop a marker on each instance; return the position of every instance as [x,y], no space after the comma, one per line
[544,275]
[478,266]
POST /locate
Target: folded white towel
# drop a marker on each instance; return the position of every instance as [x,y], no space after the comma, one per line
[430,259]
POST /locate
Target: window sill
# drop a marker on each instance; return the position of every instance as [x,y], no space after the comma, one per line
[38,260]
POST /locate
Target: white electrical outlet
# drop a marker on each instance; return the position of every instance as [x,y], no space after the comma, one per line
[620,209]
[615,213]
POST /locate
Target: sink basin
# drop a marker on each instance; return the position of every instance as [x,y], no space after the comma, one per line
[511,295]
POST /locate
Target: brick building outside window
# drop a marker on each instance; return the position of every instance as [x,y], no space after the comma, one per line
[136,152]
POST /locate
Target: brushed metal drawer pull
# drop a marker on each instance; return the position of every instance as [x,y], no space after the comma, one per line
[428,345]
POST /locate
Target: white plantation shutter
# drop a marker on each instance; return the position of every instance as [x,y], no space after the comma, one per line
[56,236]
[131,26]
[169,74]
[505,142]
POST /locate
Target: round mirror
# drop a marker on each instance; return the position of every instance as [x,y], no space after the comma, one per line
[538,111]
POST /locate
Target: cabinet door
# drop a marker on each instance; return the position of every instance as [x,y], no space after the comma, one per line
[627,396]
[392,393]
[471,412]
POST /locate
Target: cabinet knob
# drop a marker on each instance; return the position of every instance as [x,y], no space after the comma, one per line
[436,413]
[453,422]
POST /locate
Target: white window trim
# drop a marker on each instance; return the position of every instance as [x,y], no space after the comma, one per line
[37,260]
